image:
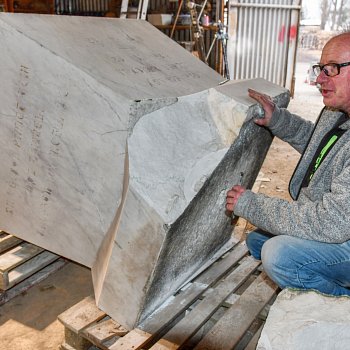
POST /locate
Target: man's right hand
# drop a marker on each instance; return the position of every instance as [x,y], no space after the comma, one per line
[266,103]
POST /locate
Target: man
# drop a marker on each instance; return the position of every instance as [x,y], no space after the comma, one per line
[305,243]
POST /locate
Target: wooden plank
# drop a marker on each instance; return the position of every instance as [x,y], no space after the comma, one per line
[66,346]
[23,286]
[76,341]
[81,315]
[254,341]
[18,255]
[104,330]
[31,266]
[8,241]
[240,316]
[213,274]
[230,300]
[160,319]
[249,334]
[134,340]
[164,344]
[194,320]
[166,314]
[220,268]
[225,249]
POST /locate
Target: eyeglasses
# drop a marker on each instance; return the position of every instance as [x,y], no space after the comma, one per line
[330,69]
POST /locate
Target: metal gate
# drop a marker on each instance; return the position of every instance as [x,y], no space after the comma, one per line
[263,40]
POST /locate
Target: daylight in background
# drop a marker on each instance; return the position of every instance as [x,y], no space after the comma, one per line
[320,20]
[327,14]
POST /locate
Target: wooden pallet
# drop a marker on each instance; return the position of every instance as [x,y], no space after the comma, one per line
[22,265]
[222,308]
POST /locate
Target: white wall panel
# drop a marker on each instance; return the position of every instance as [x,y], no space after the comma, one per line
[263,39]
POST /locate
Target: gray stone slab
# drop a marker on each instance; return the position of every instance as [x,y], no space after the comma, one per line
[190,223]
[118,147]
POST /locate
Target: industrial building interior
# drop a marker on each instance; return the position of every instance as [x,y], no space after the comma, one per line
[50,301]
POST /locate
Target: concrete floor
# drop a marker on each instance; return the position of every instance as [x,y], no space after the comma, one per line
[29,321]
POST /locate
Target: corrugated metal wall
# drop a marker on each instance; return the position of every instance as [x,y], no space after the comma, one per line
[157,5]
[263,40]
[82,7]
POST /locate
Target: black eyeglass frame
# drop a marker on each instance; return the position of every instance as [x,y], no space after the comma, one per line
[315,68]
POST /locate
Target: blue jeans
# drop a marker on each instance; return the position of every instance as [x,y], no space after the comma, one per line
[304,264]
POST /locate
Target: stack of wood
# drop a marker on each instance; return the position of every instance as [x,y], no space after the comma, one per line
[23,265]
[224,307]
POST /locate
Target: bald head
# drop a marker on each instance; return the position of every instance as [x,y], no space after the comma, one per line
[340,42]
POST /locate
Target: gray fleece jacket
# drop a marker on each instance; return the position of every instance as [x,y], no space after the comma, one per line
[320,211]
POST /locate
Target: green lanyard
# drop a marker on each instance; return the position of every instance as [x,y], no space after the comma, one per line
[325,146]
[323,153]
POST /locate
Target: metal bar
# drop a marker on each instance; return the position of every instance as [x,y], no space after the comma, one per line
[232,42]
[124,8]
[255,41]
[273,6]
[260,46]
[144,9]
[270,46]
[176,18]
[275,44]
[285,47]
[252,42]
[264,44]
[202,9]
[139,9]
[210,48]
[290,80]
[237,45]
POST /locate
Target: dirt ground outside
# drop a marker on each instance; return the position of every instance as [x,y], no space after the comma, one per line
[29,321]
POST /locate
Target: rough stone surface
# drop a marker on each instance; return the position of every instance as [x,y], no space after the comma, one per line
[118,147]
[307,321]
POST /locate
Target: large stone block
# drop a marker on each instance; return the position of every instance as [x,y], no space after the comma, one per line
[118,147]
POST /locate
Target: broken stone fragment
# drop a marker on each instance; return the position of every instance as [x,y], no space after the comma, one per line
[306,320]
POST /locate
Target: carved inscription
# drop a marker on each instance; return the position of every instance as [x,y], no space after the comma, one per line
[28,168]
[17,136]
[20,109]
[54,153]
